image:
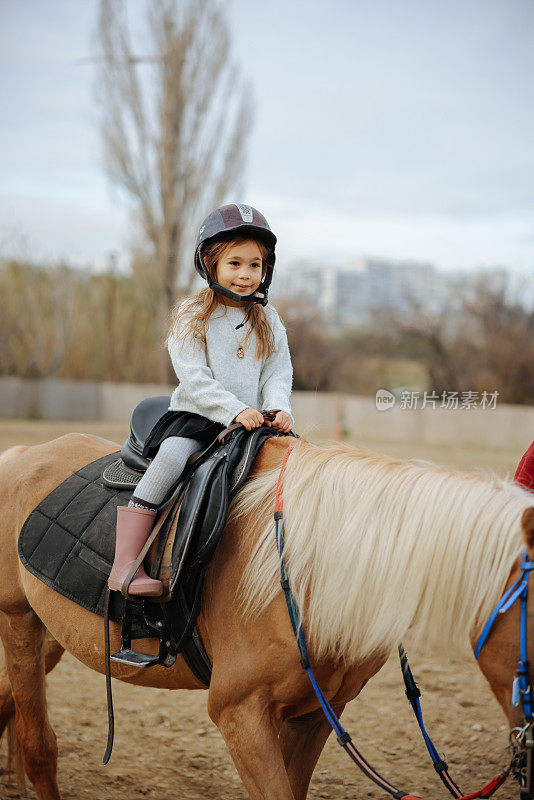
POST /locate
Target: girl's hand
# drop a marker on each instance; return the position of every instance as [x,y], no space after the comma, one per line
[282,422]
[250,418]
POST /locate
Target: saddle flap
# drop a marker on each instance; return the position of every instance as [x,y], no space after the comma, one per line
[212,518]
[198,498]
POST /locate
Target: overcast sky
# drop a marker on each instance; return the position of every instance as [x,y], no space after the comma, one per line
[388,129]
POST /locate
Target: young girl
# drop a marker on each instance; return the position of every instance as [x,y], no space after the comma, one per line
[230,353]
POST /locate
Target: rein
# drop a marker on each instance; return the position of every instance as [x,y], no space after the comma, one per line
[524,735]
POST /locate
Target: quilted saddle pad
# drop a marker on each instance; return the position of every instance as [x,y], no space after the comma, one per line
[68,541]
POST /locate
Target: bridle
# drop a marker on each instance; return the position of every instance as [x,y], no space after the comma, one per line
[521,738]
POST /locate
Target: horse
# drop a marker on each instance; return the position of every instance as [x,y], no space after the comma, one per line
[377,550]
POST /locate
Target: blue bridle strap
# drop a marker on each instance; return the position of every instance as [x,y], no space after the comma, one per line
[523,678]
[519,590]
[513,590]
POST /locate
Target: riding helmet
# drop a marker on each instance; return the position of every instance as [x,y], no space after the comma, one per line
[236,218]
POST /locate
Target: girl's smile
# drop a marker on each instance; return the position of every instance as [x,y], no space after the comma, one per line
[240,269]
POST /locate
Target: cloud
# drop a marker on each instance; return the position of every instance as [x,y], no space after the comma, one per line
[402,129]
[316,231]
[56,229]
[396,108]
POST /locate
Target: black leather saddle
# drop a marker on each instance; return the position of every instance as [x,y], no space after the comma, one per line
[127,471]
[144,417]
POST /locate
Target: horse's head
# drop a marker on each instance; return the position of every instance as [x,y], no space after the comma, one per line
[506,643]
[499,653]
[527,525]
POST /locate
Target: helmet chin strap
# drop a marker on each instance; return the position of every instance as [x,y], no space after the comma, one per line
[252,299]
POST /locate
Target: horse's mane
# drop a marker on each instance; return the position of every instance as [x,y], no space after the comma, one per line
[377,546]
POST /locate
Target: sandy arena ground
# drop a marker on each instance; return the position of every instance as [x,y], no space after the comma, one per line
[172,750]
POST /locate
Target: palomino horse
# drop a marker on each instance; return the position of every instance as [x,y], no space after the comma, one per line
[377,550]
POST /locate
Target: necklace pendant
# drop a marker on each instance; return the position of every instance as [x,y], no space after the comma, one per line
[240,352]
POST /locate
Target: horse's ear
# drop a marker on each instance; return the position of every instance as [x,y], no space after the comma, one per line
[527,526]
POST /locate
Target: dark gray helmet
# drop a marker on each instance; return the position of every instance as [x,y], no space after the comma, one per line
[236,219]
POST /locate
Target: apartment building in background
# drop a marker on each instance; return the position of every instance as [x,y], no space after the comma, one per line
[354,294]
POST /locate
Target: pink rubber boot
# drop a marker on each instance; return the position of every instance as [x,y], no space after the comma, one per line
[133,529]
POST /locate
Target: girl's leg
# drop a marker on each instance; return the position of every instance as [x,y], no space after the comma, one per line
[135,521]
[163,472]
[133,529]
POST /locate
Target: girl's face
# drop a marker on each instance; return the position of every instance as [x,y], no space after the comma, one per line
[239,269]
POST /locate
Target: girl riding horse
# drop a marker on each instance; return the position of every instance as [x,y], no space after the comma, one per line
[224,377]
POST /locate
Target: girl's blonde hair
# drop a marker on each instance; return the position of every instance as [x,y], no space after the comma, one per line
[203,303]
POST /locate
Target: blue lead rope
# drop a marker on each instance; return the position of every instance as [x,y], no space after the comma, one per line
[413,694]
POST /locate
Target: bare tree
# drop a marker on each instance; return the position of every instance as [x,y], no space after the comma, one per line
[175,130]
[486,344]
[37,319]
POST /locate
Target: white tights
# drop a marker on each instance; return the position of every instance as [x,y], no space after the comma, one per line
[163,471]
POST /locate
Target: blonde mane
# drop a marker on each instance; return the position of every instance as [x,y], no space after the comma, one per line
[377,546]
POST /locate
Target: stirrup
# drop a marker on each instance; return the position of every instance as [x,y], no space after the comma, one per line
[167,652]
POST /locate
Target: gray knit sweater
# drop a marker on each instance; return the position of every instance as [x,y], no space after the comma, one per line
[215,383]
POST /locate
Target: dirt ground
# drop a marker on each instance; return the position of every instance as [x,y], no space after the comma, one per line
[167,748]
